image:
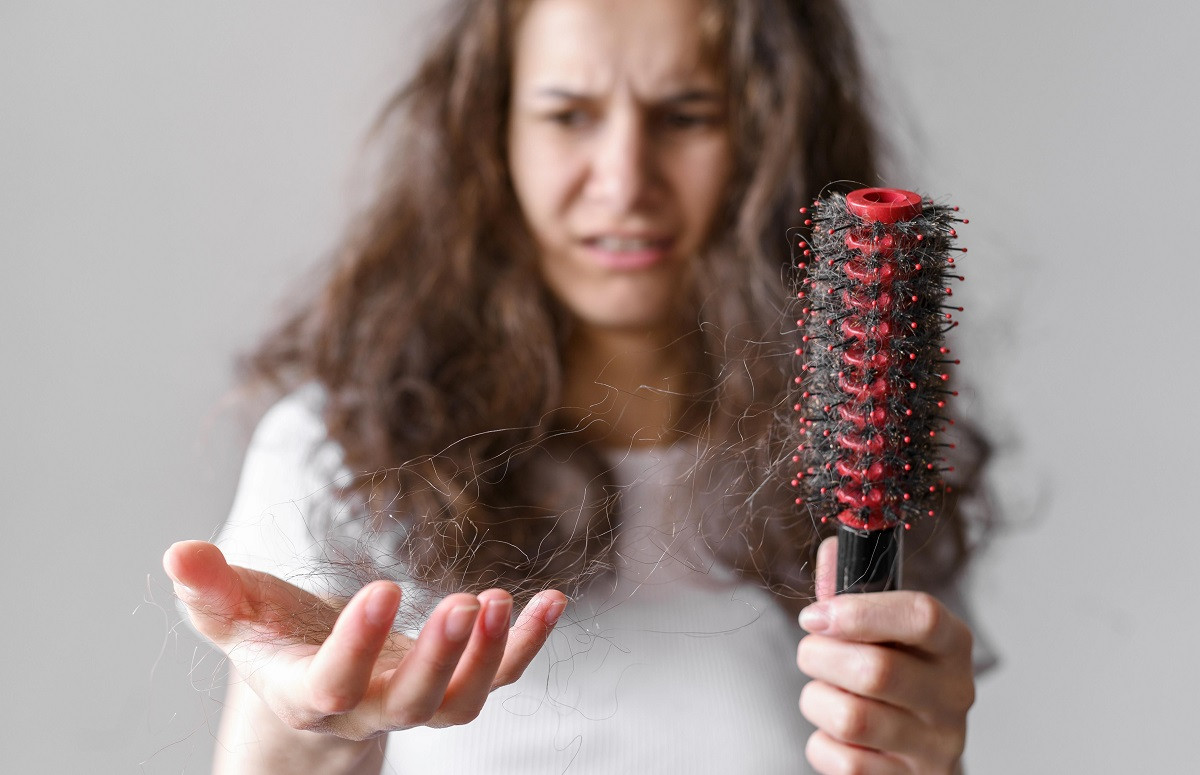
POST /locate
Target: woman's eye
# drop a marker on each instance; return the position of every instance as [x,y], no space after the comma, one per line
[573,118]
[683,120]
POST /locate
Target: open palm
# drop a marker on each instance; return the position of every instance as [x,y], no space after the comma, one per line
[341,670]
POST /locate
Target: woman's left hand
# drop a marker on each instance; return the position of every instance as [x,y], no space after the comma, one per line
[891,679]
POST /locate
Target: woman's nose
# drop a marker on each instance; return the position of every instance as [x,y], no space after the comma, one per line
[623,170]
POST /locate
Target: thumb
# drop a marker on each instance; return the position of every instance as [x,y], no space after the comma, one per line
[209,587]
[826,575]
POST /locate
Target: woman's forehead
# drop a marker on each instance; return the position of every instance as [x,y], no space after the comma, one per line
[652,47]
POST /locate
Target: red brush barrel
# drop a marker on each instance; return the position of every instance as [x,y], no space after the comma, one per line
[872,382]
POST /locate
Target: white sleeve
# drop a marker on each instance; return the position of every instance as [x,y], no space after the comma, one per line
[287,517]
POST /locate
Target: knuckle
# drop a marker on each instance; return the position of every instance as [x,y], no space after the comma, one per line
[804,653]
[407,718]
[950,742]
[303,721]
[441,663]
[851,721]
[461,715]
[879,673]
[504,678]
[851,617]
[964,697]
[927,615]
[330,703]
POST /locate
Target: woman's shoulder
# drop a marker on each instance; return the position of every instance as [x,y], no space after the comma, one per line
[294,420]
[290,502]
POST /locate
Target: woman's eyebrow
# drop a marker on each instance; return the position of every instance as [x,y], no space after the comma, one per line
[560,93]
[683,97]
[692,95]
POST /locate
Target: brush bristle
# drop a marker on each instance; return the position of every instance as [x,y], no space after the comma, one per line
[875,302]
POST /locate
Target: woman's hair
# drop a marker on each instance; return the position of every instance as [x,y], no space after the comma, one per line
[440,350]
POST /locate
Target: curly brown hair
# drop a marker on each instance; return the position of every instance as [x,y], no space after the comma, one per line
[440,350]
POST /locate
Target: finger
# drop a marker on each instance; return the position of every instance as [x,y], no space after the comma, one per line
[833,757]
[229,604]
[472,679]
[417,688]
[886,674]
[210,588]
[849,718]
[341,670]
[826,575]
[529,634]
[914,619]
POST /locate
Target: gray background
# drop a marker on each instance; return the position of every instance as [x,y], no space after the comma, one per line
[168,168]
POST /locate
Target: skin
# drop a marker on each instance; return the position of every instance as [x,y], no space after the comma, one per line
[891,679]
[362,680]
[619,152]
[617,133]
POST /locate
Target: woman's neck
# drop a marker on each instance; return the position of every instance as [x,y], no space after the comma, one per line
[625,389]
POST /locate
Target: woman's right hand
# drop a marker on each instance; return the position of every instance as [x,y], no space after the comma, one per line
[343,671]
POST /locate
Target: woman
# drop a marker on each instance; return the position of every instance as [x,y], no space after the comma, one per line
[569,291]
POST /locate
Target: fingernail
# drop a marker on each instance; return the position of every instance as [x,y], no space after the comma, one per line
[553,612]
[180,586]
[459,622]
[378,608]
[496,617]
[815,618]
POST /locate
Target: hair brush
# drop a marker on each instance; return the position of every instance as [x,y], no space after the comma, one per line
[873,288]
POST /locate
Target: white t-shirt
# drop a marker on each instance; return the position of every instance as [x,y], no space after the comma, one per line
[674,665]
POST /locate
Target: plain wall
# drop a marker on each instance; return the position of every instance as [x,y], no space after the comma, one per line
[167,170]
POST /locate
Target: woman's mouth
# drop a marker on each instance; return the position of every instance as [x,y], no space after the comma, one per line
[627,252]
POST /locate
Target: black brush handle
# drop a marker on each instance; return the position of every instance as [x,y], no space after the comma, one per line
[868,560]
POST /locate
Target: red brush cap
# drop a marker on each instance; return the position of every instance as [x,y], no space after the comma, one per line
[884,205]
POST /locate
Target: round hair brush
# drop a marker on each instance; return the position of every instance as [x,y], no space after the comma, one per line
[874,294]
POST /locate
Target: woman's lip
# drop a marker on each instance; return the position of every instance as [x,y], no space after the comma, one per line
[611,255]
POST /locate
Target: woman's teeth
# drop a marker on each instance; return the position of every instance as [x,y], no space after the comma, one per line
[625,244]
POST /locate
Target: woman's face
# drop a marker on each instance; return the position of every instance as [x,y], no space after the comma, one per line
[619,152]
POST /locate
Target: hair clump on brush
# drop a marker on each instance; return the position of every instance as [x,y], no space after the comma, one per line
[873,291]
